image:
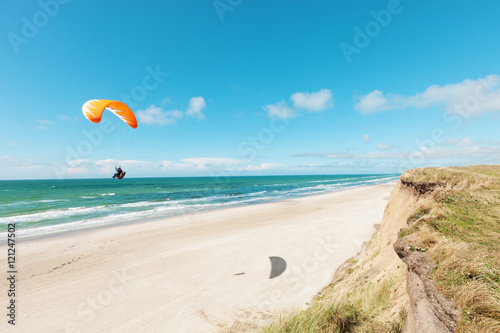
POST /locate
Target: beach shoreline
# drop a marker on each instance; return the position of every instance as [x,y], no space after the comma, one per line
[69,233]
[207,271]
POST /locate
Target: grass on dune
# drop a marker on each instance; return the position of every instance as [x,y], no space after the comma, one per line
[354,312]
[352,304]
[459,231]
[461,234]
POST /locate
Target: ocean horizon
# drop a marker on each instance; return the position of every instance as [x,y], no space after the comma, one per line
[47,207]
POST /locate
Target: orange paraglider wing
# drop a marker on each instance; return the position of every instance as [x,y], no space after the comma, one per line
[93,110]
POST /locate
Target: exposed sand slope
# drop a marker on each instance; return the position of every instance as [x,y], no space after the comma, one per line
[178,274]
[379,262]
[443,224]
[374,283]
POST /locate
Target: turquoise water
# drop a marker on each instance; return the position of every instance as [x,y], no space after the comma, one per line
[40,207]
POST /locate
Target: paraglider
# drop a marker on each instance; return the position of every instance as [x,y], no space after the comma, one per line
[94,109]
[119,173]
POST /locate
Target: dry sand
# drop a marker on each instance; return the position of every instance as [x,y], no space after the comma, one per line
[183,274]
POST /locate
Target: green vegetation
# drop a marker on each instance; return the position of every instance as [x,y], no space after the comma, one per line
[355,313]
[458,229]
[462,233]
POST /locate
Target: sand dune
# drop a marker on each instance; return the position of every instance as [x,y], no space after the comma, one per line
[204,272]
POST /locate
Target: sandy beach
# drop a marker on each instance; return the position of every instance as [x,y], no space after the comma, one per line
[205,272]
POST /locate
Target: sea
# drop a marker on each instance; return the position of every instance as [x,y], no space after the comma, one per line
[42,208]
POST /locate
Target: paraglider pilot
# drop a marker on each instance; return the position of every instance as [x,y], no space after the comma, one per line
[118,173]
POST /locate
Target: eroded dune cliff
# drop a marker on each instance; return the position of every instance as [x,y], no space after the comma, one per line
[434,265]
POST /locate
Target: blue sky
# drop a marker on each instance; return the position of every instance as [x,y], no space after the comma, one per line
[248,87]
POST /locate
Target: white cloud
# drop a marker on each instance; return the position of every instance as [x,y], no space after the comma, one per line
[468,98]
[471,154]
[263,166]
[196,105]
[326,155]
[88,166]
[8,159]
[279,110]
[21,163]
[42,124]
[80,161]
[203,162]
[383,146]
[313,102]
[464,142]
[133,162]
[75,171]
[155,115]
[190,165]
[373,102]
[102,167]
[165,164]
[197,164]
[366,138]
[485,153]
[354,165]
[65,117]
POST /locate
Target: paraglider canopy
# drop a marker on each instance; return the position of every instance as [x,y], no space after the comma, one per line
[93,110]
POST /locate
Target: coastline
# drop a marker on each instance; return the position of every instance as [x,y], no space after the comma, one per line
[66,233]
[183,273]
